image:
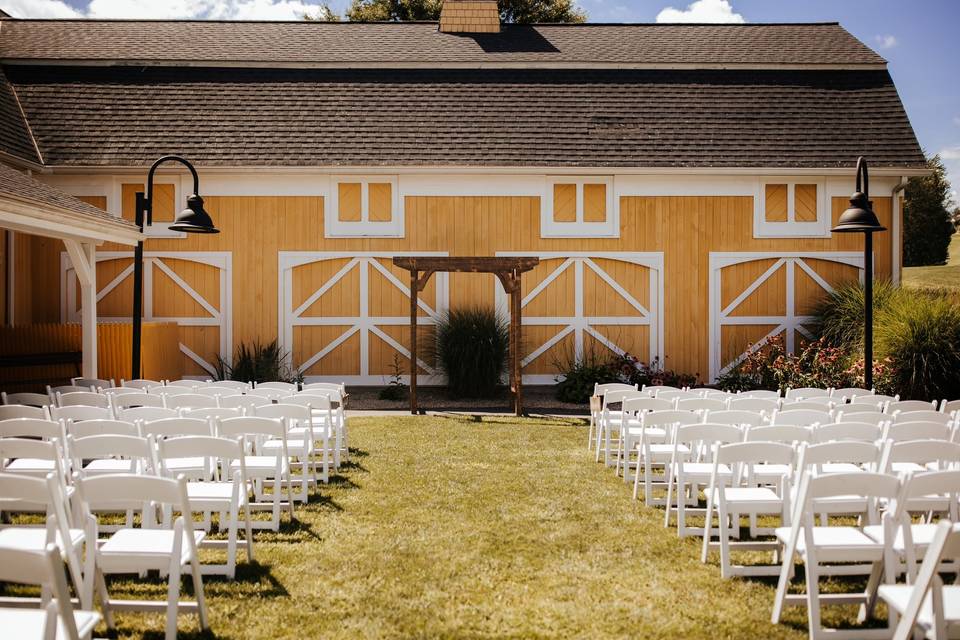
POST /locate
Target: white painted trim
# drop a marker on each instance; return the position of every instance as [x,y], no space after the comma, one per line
[550,228]
[363,324]
[789,322]
[222,318]
[336,228]
[580,324]
[791,228]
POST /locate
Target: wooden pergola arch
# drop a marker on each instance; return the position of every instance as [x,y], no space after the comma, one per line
[509,270]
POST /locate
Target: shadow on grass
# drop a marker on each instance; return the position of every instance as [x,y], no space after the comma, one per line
[157,634]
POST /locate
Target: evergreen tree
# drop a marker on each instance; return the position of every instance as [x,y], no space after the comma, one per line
[926,221]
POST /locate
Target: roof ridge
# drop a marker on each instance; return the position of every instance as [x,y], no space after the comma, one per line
[416,22]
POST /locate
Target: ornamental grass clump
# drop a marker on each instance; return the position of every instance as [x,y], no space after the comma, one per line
[839,314]
[472,344]
[257,362]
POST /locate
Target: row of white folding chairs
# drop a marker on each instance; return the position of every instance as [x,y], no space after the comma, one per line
[161,542]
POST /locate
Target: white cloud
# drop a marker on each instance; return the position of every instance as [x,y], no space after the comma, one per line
[886,42]
[950,153]
[951,162]
[702,11]
[166,9]
[40,9]
[956,120]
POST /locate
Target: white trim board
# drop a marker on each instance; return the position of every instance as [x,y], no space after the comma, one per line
[579,324]
[362,324]
[789,322]
[222,317]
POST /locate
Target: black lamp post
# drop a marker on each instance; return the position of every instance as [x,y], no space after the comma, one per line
[193,219]
[860,218]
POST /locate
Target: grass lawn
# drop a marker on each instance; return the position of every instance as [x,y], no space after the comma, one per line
[947,275]
[455,528]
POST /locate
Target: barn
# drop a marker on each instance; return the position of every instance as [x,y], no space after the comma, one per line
[677,182]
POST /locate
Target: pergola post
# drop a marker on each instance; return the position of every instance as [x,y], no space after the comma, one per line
[413,340]
[83,258]
[515,349]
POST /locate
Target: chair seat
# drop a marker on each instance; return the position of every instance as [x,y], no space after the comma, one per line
[897,596]
[130,550]
[292,445]
[922,535]
[30,465]
[754,499]
[837,544]
[25,624]
[35,538]
[903,467]
[701,470]
[110,465]
[768,470]
[840,467]
[202,491]
[260,465]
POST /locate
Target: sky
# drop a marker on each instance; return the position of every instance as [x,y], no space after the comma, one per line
[919,38]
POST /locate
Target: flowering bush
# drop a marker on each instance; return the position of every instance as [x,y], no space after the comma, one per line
[580,376]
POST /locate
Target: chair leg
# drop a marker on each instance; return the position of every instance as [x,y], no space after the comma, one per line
[707,526]
[636,477]
[666,514]
[198,591]
[101,586]
[780,598]
[232,536]
[813,597]
[173,594]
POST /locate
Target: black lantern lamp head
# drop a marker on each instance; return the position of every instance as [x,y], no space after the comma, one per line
[859,217]
[194,219]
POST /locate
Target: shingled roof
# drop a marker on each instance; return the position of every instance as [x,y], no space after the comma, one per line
[421,44]
[15,138]
[121,116]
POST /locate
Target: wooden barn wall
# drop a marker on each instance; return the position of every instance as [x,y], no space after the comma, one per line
[255,228]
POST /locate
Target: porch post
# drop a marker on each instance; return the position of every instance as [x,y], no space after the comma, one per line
[515,333]
[83,257]
[413,341]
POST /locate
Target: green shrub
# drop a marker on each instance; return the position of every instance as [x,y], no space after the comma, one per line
[575,384]
[769,366]
[920,335]
[257,363]
[926,221]
[839,315]
[472,345]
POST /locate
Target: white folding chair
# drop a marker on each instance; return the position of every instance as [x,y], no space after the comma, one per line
[328,412]
[300,443]
[35,458]
[807,405]
[927,415]
[30,494]
[653,390]
[82,399]
[738,417]
[801,417]
[80,414]
[38,400]
[140,383]
[113,392]
[928,607]
[215,392]
[191,384]
[154,546]
[629,423]
[215,413]
[860,406]
[917,431]
[803,393]
[268,394]
[950,407]
[138,399]
[110,454]
[85,428]
[190,401]
[745,496]
[911,405]
[26,428]
[870,417]
[655,448]
[223,493]
[820,546]
[596,406]
[192,467]
[673,396]
[864,431]
[146,414]
[235,385]
[282,386]
[701,404]
[263,466]
[94,383]
[11,411]
[760,393]
[764,405]
[695,469]
[248,403]
[320,429]
[67,388]
[923,454]
[849,393]
[56,618]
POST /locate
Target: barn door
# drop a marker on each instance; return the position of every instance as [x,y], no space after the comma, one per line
[755,296]
[584,304]
[191,289]
[345,315]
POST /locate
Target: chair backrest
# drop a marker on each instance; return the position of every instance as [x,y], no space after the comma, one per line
[293,413]
[673,396]
[918,430]
[190,384]
[739,417]
[113,392]
[337,387]
[67,388]
[669,417]
[807,405]
[248,402]
[863,431]
[283,386]
[880,397]
[755,453]
[315,401]
[30,428]
[268,394]
[50,450]
[236,385]
[950,407]
[209,413]
[634,404]
[224,450]
[122,491]
[333,391]
[739,403]
[78,414]
[927,594]
[162,390]
[802,393]
[701,404]
[654,389]
[172,427]
[82,399]
[848,393]
[866,484]
[135,414]
[765,394]
[708,433]
[716,394]
[850,451]
[926,415]
[26,398]
[786,433]
[89,428]
[911,405]
[10,411]
[95,383]
[138,399]
[140,383]
[250,425]
[929,491]
[940,453]
[871,417]
[598,389]
[216,392]
[190,401]
[44,569]
[861,407]
[801,417]
[109,446]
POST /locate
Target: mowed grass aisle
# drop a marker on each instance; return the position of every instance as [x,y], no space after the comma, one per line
[448,527]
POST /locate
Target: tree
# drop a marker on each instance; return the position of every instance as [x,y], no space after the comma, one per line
[324,14]
[517,11]
[926,221]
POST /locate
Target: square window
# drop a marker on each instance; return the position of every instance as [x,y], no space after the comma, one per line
[805,203]
[564,203]
[579,207]
[363,207]
[791,208]
[776,203]
[381,201]
[594,202]
[349,202]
